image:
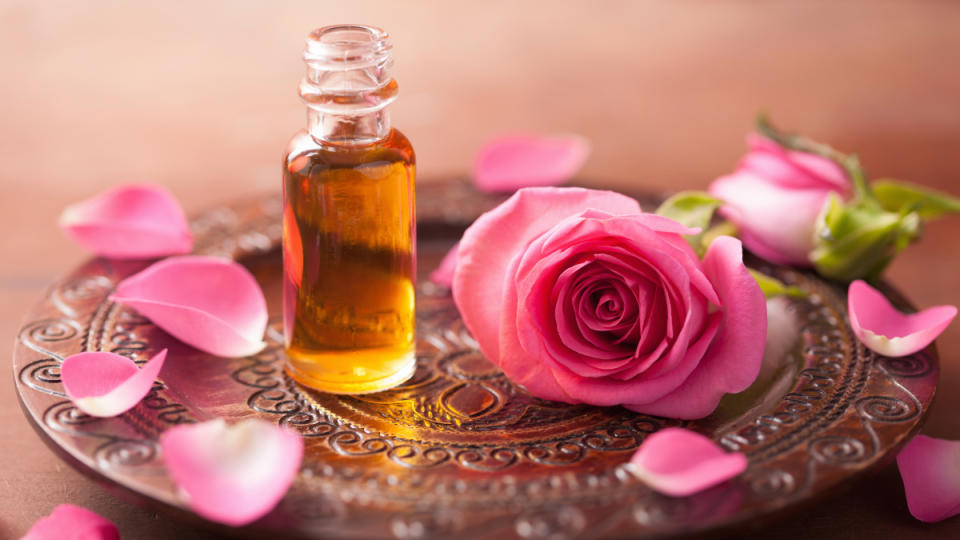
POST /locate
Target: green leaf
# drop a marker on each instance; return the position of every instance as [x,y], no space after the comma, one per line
[693,209]
[928,203]
[773,287]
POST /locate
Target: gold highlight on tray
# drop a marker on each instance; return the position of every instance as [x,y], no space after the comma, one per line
[349,240]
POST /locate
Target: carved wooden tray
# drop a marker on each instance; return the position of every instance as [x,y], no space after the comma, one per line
[459,451]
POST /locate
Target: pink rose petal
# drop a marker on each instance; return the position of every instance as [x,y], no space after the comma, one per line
[930,469]
[753,202]
[69,522]
[210,303]
[679,462]
[511,162]
[792,168]
[887,331]
[105,384]
[443,274]
[735,356]
[232,474]
[129,222]
[499,235]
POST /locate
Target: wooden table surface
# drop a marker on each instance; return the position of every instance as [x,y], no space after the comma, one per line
[203,98]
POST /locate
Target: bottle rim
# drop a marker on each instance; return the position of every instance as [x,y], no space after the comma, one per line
[347,46]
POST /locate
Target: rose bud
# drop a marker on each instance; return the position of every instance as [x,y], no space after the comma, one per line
[775,196]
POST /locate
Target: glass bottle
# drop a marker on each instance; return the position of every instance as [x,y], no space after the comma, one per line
[349,226]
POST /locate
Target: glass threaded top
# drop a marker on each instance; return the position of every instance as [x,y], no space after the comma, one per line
[348,70]
[347,46]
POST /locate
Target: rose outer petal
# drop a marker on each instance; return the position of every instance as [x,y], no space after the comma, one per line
[790,168]
[105,384]
[443,274]
[930,469]
[753,204]
[70,522]
[129,222]
[679,462]
[210,303]
[733,361]
[489,244]
[595,225]
[887,331]
[511,162]
[232,474]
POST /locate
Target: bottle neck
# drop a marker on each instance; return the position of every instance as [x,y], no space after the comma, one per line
[341,129]
[348,86]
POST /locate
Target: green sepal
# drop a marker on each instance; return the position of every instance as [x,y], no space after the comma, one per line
[773,287]
[858,240]
[896,196]
[693,209]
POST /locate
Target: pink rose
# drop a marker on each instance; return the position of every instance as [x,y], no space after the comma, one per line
[580,297]
[775,196]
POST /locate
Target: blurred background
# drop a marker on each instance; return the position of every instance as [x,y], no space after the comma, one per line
[201,97]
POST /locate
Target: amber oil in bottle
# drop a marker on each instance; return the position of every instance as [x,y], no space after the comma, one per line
[349,244]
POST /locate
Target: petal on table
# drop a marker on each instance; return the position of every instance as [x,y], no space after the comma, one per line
[69,522]
[886,330]
[105,384]
[443,274]
[210,303]
[129,222]
[511,162]
[232,474]
[679,462]
[930,469]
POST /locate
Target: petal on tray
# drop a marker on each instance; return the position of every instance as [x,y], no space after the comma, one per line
[510,162]
[232,474]
[134,221]
[679,462]
[887,331]
[105,384]
[210,303]
[930,469]
[81,523]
